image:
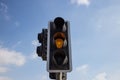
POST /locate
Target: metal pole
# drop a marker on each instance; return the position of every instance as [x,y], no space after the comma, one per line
[61,76]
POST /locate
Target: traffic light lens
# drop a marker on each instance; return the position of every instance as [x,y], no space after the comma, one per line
[59,38]
[59,22]
[59,35]
[59,43]
[59,57]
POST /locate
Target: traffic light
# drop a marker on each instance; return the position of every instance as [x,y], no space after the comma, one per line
[59,46]
[42,50]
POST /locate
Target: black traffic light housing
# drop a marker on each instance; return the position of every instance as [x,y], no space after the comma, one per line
[42,50]
[59,46]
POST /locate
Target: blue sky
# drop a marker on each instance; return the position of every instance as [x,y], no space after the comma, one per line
[95,38]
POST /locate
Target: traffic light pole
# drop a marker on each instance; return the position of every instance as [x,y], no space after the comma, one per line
[61,76]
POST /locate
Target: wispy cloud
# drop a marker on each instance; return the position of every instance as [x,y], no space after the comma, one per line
[17,24]
[82,69]
[4,11]
[3,69]
[91,74]
[115,75]
[81,2]
[3,7]
[4,78]
[44,77]
[80,72]
[100,76]
[1,42]
[107,21]
[11,57]
[34,55]
[35,43]
[17,44]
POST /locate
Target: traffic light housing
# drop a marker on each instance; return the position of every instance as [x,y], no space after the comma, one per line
[59,46]
[42,49]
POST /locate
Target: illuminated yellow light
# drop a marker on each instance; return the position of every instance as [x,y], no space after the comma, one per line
[59,43]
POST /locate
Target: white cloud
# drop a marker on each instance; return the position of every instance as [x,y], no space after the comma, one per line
[35,43]
[82,69]
[114,75]
[3,69]
[100,76]
[34,55]
[44,77]
[11,57]
[80,73]
[4,78]
[4,11]
[81,2]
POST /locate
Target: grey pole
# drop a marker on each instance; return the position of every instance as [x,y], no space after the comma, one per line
[61,76]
